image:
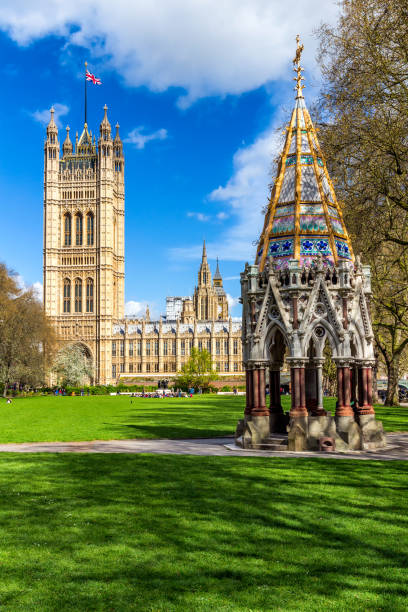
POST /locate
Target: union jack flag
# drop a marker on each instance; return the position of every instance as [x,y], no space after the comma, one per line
[92,77]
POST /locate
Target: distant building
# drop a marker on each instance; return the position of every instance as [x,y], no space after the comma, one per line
[160,348]
[174,307]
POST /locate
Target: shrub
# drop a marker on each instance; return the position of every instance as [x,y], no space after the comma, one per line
[226,388]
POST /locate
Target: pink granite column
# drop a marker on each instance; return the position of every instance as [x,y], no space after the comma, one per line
[366,406]
[298,408]
[259,408]
[343,391]
[249,393]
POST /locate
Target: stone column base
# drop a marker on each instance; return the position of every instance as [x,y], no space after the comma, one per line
[304,433]
[252,432]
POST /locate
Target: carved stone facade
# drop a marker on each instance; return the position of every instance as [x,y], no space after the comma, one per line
[210,301]
[159,349]
[306,289]
[84,240]
[84,271]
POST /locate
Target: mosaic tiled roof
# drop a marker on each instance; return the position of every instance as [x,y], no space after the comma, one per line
[303,219]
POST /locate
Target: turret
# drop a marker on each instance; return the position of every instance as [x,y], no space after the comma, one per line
[67,146]
[51,147]
[105,142]
[52,130]
[118,151]
[105,127]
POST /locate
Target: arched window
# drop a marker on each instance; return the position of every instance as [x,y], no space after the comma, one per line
[78,230]
[89,294]
[78,295]
[67,295]
[89,229]
[67,230]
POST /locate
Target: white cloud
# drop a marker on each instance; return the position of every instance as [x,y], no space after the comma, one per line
[138,309]
[38,290]
[44,116]
[199,216]
[222,215]
[232,301]
[246,193]
[206,47]
[229,278]
[139,140]
[37,287]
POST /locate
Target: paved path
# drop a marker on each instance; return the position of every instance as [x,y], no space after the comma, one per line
[397,448]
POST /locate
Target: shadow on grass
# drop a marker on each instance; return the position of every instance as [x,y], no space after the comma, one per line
[190,418]
[192,533]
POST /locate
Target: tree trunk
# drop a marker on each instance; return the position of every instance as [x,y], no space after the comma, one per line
[392,398]
[375,374]
[5,389]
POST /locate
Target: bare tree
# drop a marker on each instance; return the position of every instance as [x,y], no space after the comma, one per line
[364,126]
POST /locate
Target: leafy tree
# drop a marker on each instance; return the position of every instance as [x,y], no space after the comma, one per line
[364,122]
[26,338]
[72,366]
[196,372]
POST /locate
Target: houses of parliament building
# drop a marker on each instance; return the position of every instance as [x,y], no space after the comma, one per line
[84,259]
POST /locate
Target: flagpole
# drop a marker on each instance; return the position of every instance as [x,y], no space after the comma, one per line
[86,64]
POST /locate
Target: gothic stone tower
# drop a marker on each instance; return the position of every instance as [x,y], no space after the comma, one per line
[306,289]
[84,240]
[210,300]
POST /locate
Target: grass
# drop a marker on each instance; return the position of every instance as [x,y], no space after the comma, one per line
[166,533]
[51,418]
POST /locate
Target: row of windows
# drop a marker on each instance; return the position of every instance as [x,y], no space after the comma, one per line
[52,153]
[167,367]
[78,221]
[78,195]
[89,295]
[78,260]
[169,347]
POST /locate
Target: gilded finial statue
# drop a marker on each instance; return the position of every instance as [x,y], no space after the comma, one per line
[298,68]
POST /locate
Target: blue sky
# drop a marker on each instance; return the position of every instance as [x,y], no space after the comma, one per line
[199,88]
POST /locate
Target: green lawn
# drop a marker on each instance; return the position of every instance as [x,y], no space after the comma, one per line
[52,418]
[166,533]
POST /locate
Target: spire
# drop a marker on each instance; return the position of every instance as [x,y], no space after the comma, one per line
[204,274]
[217,275]
[304,220]
[52,126]
[117,137]
[105,127]
[85,141]
[67,146]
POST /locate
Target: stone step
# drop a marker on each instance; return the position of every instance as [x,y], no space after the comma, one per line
[276,442]
[277,439]
[275,447]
